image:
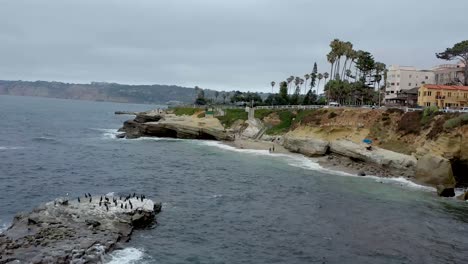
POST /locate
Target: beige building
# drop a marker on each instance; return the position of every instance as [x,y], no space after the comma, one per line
[404,78]
[443,96]
[449,74]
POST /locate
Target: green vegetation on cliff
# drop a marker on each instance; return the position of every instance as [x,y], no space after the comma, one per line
[185,111]
[232,115]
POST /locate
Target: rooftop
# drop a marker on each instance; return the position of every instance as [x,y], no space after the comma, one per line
[446,87]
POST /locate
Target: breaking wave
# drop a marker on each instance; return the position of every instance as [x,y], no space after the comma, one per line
[126,256]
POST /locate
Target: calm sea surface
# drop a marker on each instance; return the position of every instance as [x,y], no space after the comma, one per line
[220,205]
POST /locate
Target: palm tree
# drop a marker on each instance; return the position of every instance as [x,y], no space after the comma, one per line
[331,58]
[320,77]
[347,51]
[272,85]
[289,80]
[306,76]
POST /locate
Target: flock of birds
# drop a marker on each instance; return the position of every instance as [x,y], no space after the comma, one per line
[124,202]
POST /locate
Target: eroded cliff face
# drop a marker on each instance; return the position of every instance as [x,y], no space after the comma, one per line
[411,136]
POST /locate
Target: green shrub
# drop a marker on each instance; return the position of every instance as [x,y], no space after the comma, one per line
[456,121]
[428,114]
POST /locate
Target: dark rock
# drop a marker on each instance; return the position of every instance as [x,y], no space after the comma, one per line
[361,173]
[445,191]
[157,207]
[145,118]
[121,135]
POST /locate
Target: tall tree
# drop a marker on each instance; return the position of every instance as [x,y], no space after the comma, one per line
[313,76]
[283,91]
[290,80]
[216,94]
[272,85]
[458,51]
[319,77]
[224,95]
[306,77]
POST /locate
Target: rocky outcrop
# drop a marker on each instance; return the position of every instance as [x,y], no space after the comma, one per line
[175,127]
[434,170]
[307,146]
[404,165]
[75,231]
[145,118]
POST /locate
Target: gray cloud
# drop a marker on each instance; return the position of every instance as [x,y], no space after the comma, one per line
[242,44]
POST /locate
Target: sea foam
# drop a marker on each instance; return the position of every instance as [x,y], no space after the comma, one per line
[126,256]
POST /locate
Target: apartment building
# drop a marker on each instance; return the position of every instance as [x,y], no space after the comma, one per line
[443,96]
[404,78]
[449,74]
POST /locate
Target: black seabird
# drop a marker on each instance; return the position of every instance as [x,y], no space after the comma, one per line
[131,206]
[121,206]
[107,199]
[107,208]
[79,200]
[89,194]
[134,194]
[100,203]
[101,199]
[125,206]
[85,195]
[90,199]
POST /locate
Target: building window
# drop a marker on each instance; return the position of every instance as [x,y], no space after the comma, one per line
[465,95]
[392,91]
[449,94]
[424,94]
[428,104]
[398,75]
[410,75]
[429,93]
[409,84]
[416,84]
[398,84]
[427,77]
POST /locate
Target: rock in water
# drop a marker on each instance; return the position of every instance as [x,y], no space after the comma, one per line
[65,231]
[445,191]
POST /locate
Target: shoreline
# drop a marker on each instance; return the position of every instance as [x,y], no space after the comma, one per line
[330,162]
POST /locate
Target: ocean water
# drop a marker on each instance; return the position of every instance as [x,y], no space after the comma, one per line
[220,204]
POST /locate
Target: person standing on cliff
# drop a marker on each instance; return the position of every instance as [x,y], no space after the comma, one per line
[273,148]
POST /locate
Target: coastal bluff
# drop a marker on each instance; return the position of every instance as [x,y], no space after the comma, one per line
[147,124]
[81,230]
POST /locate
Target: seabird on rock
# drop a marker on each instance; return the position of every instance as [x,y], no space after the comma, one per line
[131,206]
[107,208]
[121,206]
[90,199]
[101,199]
[134,194]
[100,203]
[125,206]
[79,200]
[89,194]
[107,199]
[86,195]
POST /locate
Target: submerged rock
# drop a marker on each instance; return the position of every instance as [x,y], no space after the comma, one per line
[66,231]
[445,191]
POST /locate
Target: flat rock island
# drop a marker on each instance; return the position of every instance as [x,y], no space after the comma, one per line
[81,230]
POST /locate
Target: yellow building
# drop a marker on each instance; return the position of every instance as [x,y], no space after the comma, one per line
[443,96]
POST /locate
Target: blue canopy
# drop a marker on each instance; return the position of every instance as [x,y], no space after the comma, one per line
[367,141]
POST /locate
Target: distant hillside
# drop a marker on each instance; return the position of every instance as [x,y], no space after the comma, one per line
[98,91]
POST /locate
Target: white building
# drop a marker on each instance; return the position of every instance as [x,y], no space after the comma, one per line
[404,78]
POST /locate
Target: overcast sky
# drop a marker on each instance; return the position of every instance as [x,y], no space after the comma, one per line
[215,44]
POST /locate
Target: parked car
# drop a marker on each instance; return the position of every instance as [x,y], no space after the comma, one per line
[464,110]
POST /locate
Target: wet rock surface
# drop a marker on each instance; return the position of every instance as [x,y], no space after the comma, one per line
[72,231]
